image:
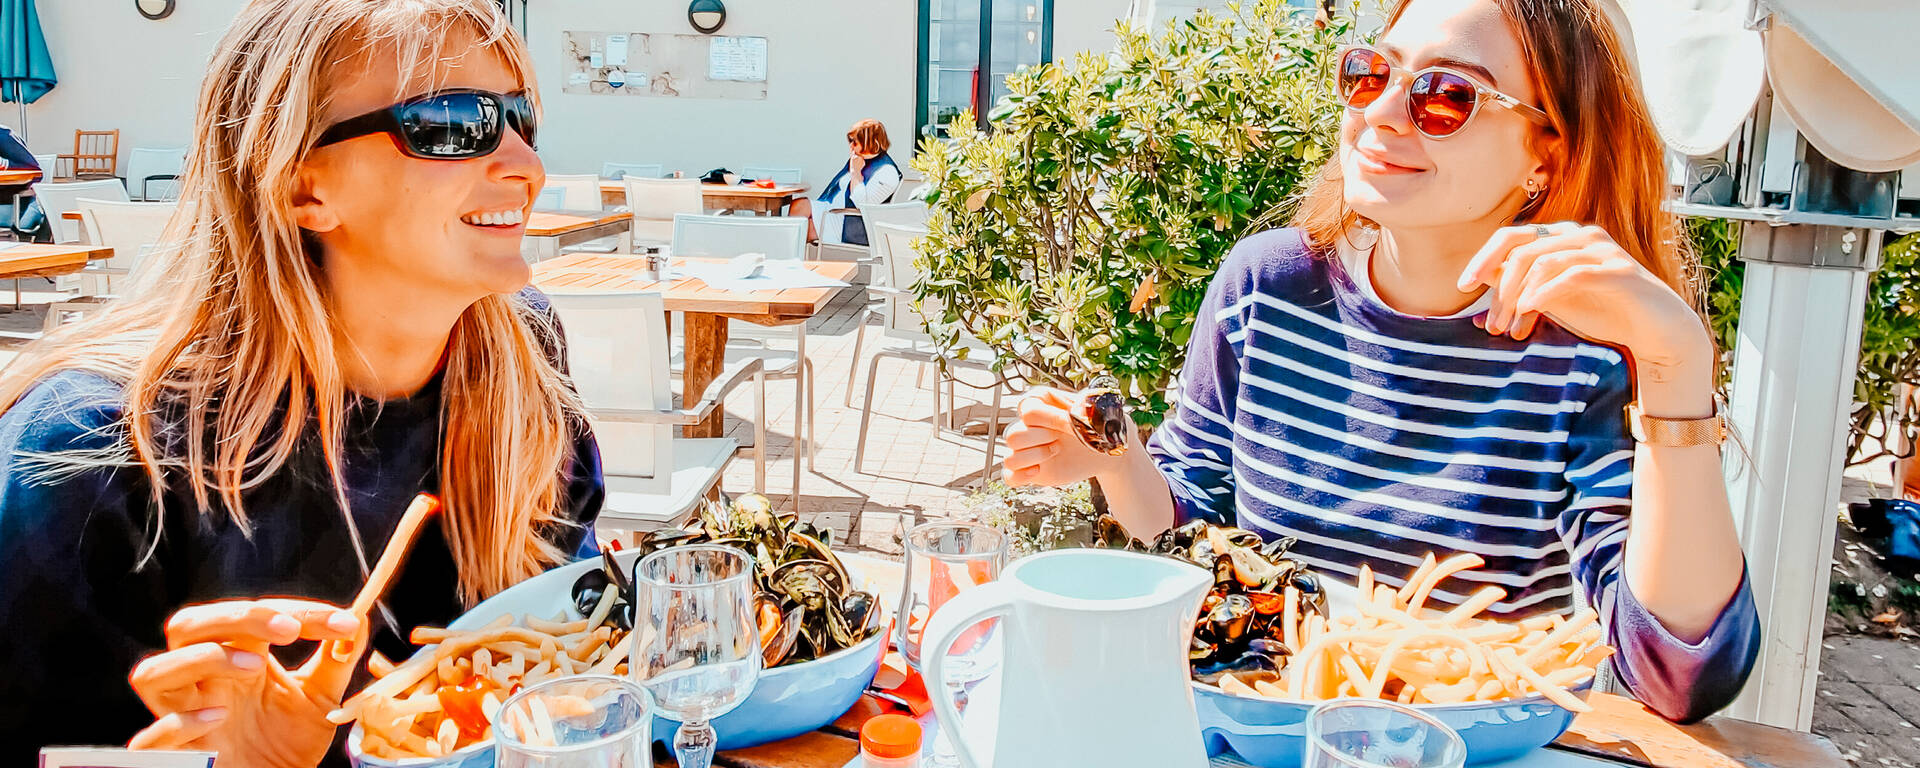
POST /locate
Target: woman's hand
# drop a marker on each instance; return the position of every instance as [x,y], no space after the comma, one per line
[855,164]
[1043,448]
[212,688]
[1581,279]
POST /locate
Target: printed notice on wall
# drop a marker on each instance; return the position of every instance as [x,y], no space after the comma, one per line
[737,58]
[616,50]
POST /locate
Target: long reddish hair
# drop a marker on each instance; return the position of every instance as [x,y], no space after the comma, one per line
[1611,170]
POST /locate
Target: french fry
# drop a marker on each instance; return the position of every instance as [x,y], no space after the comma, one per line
[1441,572]
[1405,595]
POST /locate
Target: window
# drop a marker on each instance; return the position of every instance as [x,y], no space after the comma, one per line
[956,36]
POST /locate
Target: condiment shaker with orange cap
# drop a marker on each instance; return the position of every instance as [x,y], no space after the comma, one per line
[890,741]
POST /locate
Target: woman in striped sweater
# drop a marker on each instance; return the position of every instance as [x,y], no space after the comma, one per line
[1476,338]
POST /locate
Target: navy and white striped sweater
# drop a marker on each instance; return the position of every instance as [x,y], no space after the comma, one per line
[1308,408]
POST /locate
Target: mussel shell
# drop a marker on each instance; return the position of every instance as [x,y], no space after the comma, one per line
[616,575]
[1269,646]
[588,589]
[1231,618]
[1276,549]
[1253,665]
[1101,421]
[857,609]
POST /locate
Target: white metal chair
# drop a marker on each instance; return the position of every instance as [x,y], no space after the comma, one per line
[154,174]
[580,192]
[900,320]
[655,203]
[779,238]
[617,355]
[633,170]
[912,214]
[551,198]
[59,197]
[779,175]
[132,230]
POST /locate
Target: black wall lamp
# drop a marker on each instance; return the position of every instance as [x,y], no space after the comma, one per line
[707,16]
[154,9]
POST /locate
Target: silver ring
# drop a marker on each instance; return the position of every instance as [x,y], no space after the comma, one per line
[1541,230]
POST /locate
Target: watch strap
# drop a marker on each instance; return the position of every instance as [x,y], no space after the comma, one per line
[1677,433]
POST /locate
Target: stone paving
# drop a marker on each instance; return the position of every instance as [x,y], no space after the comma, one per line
[1868,701]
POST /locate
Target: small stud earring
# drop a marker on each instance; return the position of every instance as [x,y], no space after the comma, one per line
[1534,189]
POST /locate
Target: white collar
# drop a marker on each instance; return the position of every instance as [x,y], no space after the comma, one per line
[1359,263]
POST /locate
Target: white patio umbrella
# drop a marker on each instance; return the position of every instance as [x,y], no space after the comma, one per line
[1837,68]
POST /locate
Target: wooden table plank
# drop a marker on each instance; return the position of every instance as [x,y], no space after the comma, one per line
[557,223]
[43,260]
[720,196]
[17,176]
[1622,729]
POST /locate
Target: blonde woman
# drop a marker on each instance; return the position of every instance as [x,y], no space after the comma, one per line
[337,323]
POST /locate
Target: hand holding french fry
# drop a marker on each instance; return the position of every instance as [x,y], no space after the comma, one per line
[218,687]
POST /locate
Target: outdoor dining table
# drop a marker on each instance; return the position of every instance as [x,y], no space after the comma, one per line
[705,310]
[550,231]
[1618,732]
[23,260]
[721,197]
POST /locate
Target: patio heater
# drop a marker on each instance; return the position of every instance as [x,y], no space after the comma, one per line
[1834,67]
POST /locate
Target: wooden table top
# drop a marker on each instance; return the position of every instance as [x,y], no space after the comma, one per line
[39,258]
[718,190]
[557,223]
[19,176]
[615,273]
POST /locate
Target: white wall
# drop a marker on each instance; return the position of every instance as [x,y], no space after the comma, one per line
[830,62]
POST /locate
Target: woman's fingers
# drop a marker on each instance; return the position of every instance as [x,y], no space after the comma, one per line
[1031,457]
[272,622]
[1514,274]
[168,681]
[178,729]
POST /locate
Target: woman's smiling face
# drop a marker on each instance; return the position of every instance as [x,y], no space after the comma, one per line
[1401,179]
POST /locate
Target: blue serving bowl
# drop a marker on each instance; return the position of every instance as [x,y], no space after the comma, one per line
[786,702]
[1273,734]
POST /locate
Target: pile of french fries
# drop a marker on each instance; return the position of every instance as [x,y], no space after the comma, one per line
[412,710]
[1392,646]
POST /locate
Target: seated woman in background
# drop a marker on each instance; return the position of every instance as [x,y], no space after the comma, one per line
[869,176]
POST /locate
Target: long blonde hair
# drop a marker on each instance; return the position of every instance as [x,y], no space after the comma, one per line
[224,347]
[1612,173]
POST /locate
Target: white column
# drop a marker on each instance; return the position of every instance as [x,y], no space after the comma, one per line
[1792,391]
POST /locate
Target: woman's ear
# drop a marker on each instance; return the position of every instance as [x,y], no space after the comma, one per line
[310,210]
[1549,151]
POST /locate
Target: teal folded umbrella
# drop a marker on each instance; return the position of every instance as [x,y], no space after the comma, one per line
[26,68]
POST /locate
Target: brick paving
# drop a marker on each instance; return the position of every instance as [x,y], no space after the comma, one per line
[1868,700]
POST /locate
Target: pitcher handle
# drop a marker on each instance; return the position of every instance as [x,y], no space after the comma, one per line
[987,601]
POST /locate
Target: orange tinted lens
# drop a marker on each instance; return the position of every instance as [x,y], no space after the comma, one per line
[1441,102]
[1363,76]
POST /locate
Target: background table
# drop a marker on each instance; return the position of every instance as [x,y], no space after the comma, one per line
[41,260]
[722,197]
[18,176]
[549,231]
[705,310]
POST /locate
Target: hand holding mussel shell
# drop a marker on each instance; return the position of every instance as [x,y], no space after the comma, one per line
[1100,417]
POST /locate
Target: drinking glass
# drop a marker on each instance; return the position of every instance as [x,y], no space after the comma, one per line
[944,559]
[585,721]
[695,643]
[1370,733]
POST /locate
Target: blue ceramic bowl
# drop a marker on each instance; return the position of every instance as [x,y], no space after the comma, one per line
[787,701]
[1273,734]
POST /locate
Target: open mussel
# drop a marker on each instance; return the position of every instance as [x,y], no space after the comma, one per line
[1101,417]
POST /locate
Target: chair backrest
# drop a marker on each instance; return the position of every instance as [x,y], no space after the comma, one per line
[581,192]
[899,262]
[911,214]
[551,198]
[58,197]
[154,174]
[779,175]
[130,229]
[48,164]
[617,354]
[781,238]
[655,202]
[633,170]
[96,154]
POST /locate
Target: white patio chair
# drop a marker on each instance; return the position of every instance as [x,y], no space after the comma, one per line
[58,197]
[900,321]
[618,171]
[154,174]
[655,202]
[551,198]
[132,230]
[779,175]
[912,213]
[780,239]
[617,356]
[580,192]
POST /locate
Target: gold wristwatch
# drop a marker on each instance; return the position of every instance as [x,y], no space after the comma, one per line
[1678,433]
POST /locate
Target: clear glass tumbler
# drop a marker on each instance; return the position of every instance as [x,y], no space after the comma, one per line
[585,721]
[1370,733]
[944,559]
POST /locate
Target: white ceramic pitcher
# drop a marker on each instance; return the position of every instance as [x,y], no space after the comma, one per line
[1094,668]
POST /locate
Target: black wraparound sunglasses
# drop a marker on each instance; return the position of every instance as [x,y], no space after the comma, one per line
[444,125]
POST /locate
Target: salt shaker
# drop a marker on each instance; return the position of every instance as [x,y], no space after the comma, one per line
[890,741]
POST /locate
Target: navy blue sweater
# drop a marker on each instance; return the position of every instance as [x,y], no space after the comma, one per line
[78,610]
